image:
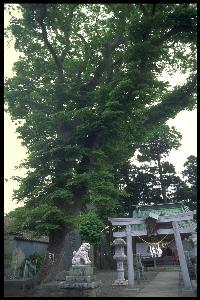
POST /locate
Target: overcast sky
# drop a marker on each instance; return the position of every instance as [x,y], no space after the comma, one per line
[185,122]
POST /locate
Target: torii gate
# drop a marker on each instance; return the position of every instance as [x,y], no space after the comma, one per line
[129,233]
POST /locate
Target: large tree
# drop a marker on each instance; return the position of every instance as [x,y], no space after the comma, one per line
[85,90]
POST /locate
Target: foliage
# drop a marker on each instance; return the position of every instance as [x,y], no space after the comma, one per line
[90,228]
[36,259]
[190,171]
[142,185]
[155,179]
[85,91]
[187,189]
[163,173]
[41,220]
[160,144]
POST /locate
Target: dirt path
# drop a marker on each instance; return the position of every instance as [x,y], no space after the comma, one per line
[165,284]
[156,284]
[109,290]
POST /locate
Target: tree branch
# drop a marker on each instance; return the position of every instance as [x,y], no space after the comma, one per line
[85,43]
[40,19]
[142,8]
[171,104]
[153,9]
[66,33]
[86,56]
[58,58]
[148,13]
[171,33]
[107,51]
[117,41]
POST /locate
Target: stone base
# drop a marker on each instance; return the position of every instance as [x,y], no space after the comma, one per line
[79,285]
[131,289]
[120,282]
[82,270]
[80,277]
[62,275]
[54,290]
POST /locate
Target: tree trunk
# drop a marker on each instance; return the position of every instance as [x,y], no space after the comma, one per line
[163,188]
[54,259]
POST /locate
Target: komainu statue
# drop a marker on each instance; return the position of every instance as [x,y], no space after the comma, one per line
[81,257]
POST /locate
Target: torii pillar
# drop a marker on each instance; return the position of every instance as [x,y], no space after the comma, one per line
[130,257]
[181,255]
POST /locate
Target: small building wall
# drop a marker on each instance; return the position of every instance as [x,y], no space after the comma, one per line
[9,246]
[31,247]
[16,250]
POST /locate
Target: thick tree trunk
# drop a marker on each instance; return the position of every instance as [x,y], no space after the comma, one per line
[97,258]
[54,259]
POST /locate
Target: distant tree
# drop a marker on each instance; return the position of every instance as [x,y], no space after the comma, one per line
[187,189]
[190,171]
[142,186]
[127,177]
[155,180]
[156,151]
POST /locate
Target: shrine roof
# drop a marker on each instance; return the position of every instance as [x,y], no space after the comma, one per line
[166,209]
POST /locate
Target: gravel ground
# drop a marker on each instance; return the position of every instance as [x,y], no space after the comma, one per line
[107,277]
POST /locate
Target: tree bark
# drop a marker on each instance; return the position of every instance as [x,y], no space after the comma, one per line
[54,259]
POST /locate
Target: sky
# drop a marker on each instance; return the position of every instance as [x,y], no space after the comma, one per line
[14,152]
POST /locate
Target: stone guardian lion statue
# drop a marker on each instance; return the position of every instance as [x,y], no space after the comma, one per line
[81,257]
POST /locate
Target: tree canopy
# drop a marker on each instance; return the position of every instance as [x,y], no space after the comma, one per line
[187,188]
[85,90]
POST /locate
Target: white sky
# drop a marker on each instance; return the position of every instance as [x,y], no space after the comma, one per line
[14,152]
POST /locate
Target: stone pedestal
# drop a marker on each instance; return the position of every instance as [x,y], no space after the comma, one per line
[81,277]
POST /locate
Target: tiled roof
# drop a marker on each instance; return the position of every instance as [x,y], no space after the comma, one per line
[164,210]
[23,235]
[28,236]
